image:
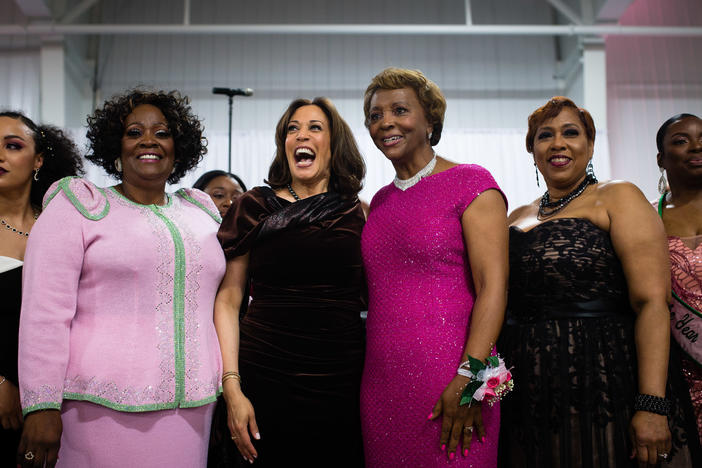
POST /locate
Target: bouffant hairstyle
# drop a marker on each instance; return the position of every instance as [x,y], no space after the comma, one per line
[660,135]
[428,93]
[347,168]
[106,128]
[60,156]
[551,109]
[204,180]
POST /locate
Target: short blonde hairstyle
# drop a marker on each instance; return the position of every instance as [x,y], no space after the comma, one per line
[428,93]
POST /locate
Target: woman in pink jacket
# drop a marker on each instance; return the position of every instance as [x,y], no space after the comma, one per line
[119,363]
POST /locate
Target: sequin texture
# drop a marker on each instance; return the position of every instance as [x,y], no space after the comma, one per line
[421,296]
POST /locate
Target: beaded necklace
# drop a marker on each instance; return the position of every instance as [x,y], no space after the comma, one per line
[549,208]
[292,192]
[14,229]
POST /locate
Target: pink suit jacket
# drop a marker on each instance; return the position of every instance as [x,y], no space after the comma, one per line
[118,300]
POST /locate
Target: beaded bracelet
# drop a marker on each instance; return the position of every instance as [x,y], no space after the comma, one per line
[652,404]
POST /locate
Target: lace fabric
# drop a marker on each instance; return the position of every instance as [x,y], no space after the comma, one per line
[570,336]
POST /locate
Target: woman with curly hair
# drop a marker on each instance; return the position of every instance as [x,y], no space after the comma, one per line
[119,362]
[299,349]
[32,157]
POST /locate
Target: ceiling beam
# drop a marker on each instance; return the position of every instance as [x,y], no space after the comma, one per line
[78,10]
[566,11]
[34,8]
[345,29]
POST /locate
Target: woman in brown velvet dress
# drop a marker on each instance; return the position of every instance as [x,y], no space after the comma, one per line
[299,348]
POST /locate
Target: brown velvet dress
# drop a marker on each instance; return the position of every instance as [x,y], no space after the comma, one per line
[302,338]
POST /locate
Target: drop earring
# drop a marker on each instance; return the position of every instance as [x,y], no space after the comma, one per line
[536,170]
[590,170]
[662,182]
[36,175]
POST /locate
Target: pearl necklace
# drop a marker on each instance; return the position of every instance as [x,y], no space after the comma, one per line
[404,184]
[13,229]
[549,208]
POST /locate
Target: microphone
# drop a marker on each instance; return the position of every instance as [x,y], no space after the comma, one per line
[233,91]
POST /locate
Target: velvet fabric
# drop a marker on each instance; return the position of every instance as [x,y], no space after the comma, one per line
[302,339]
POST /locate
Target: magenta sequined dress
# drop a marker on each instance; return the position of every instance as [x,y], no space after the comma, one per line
[421,297]
[686,278]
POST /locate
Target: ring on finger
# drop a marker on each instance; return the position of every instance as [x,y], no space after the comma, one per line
[235,437]
[468,429]
[28,455]
[663,456]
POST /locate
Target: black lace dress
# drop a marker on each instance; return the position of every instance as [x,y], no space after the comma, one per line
[569,333]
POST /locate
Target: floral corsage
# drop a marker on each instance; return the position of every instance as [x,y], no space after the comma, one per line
[490,381]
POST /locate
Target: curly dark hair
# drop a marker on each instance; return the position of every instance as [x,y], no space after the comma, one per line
[346,167]
[106,128]
[60,155]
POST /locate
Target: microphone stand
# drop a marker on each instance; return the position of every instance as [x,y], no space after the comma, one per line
[229,153]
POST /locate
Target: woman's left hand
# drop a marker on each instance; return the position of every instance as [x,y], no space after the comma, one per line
[650,437]
[458,421]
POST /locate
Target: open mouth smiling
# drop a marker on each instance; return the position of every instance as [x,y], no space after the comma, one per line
[149,157]
[304,156]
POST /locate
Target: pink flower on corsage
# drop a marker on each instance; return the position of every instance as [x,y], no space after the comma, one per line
[490,381]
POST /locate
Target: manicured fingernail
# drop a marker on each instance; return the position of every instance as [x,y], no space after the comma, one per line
[465,453]
[257,436]
[452,456]
[251,461]
[430,415]
[443,447]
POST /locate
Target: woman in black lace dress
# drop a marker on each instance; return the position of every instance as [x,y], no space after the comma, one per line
[587,317]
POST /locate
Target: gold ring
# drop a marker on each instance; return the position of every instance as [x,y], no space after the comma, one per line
[29,455]
[234,437]
[468,429]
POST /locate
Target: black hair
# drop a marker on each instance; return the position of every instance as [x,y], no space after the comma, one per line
[60,155]
[202,182]
[660,135]
[106,128]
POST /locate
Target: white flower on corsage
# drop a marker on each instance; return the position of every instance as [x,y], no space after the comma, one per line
[490,381]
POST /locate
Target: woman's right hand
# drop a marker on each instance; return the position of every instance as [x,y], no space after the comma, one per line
[10,409]
[241,420]
[41,439]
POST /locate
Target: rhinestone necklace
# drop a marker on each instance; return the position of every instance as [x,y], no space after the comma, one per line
[13,229]
[292,192]
[404,184]
[549,208]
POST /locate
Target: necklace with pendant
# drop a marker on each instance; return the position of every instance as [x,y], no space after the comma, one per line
[549,208]
[14,229]
[404,184]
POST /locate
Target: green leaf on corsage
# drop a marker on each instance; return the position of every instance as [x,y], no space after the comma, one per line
[476,365]
[493,361]
[470,389]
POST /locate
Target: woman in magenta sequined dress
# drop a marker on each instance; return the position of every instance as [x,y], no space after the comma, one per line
[679,142]
[435,253]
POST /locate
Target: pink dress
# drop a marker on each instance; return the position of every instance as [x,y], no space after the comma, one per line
[686,277]
[421,297]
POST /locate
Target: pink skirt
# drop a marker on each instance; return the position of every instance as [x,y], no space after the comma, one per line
[96,436]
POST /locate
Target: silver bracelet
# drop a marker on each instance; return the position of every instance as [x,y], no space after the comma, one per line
[3,380]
